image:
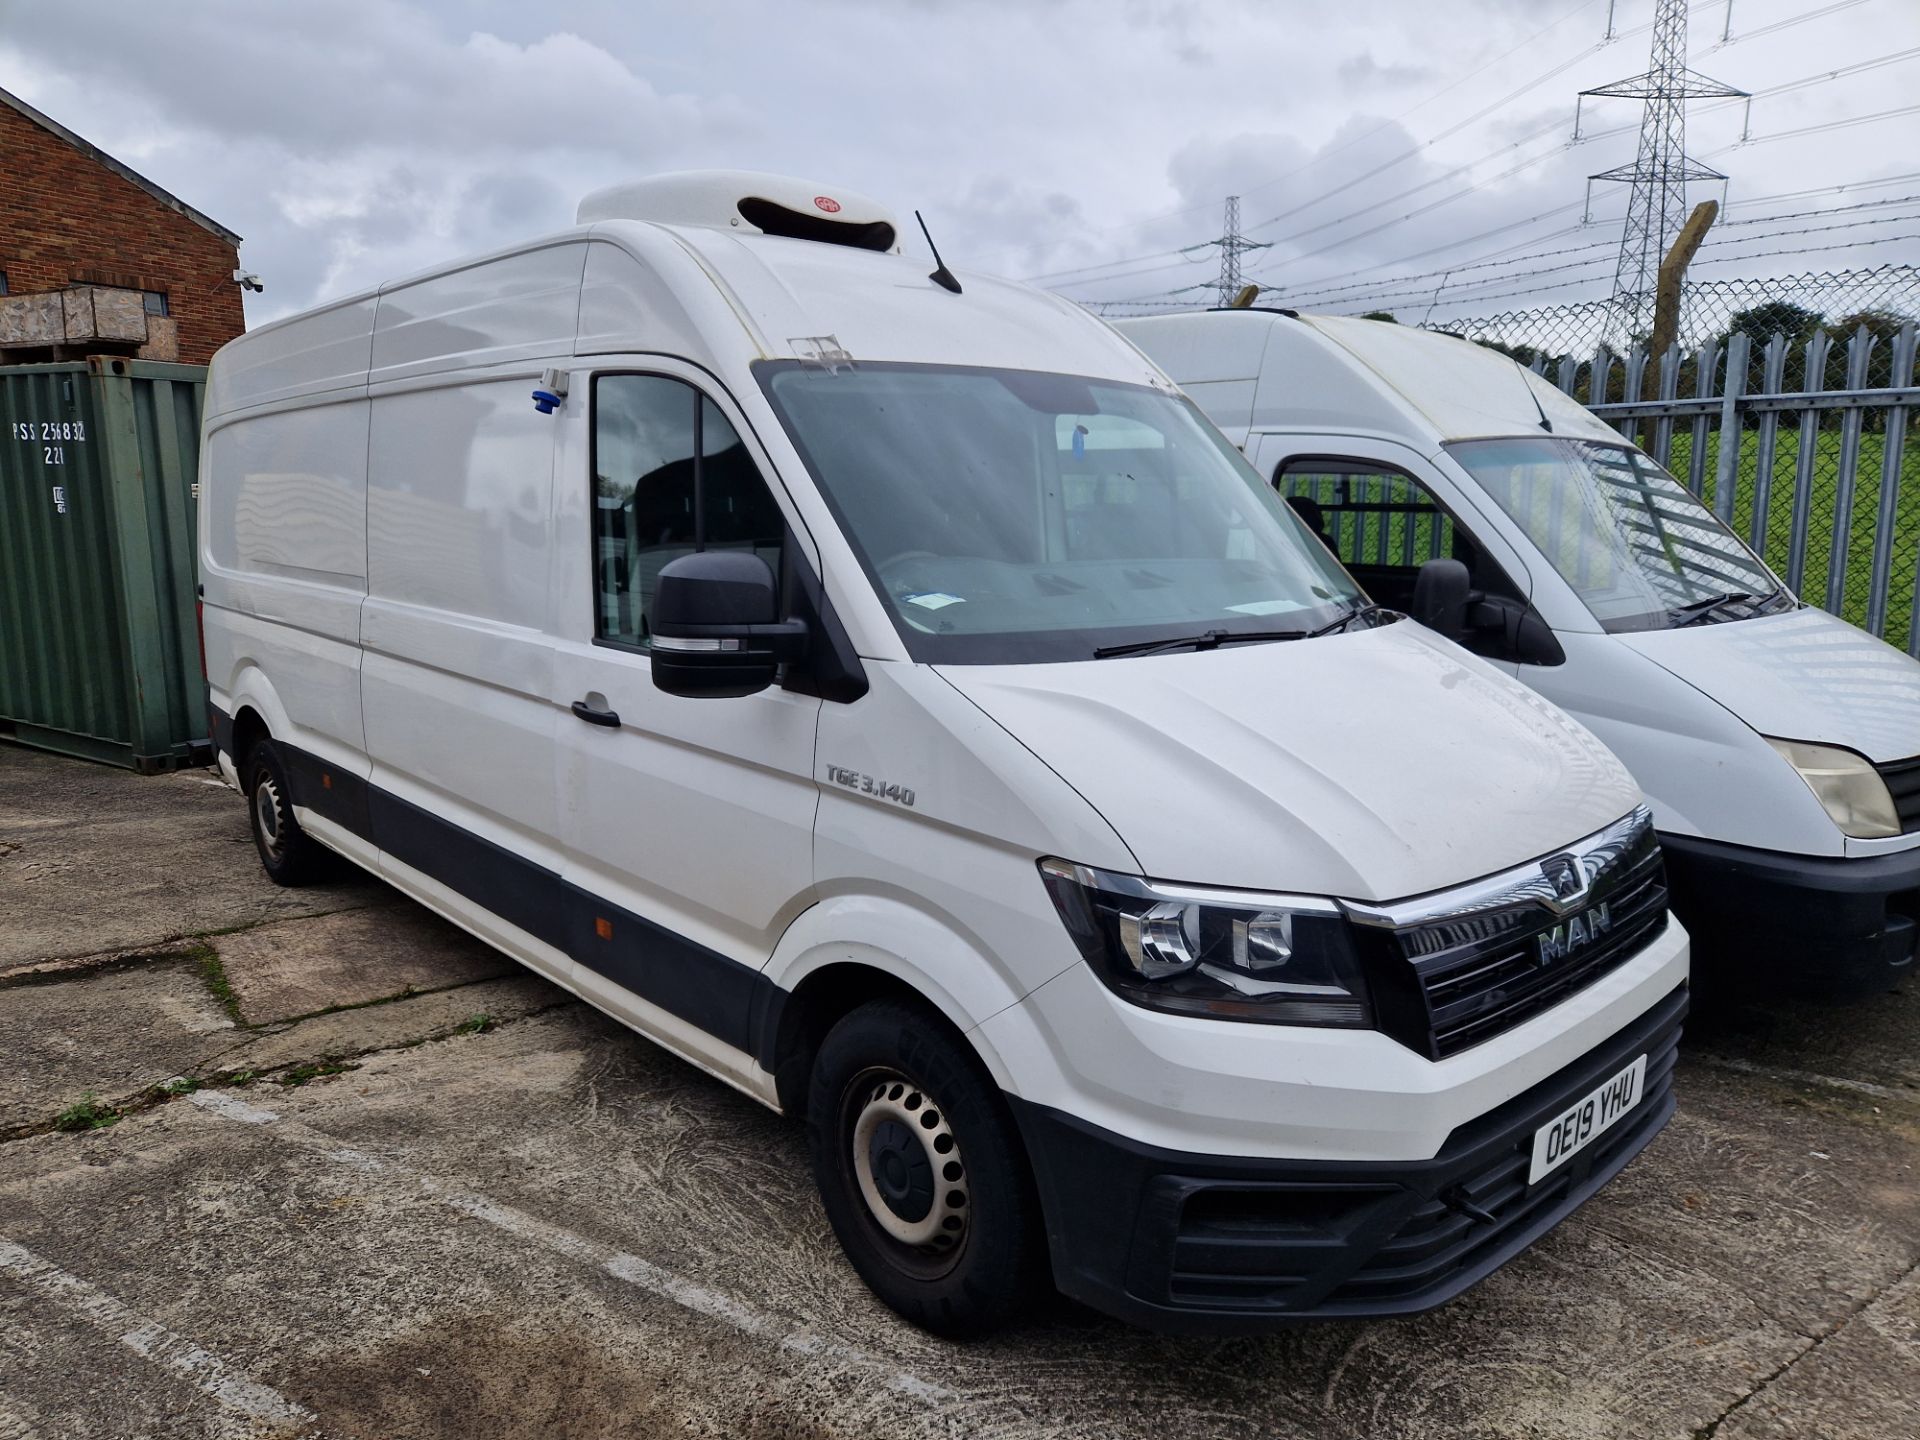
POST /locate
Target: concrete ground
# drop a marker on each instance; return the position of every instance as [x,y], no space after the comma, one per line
[359,1176]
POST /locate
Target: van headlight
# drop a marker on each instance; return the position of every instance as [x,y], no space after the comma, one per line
[1846,784]
[1281,959]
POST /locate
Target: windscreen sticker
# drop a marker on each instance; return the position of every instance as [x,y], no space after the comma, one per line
[934,600]
[1262,607]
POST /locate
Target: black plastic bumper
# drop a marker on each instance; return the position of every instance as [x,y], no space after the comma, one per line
[1797,924]
[1204,1244]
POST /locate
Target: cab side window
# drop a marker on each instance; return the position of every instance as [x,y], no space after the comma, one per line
[670,476]
[1384,525]
[1368,515]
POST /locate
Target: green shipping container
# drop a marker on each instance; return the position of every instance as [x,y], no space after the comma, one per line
[99,645]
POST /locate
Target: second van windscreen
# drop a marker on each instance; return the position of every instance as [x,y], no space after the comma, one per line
[1631,540]
[1014,516]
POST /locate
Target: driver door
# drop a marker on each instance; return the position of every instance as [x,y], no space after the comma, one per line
[687,823]
[1385,512]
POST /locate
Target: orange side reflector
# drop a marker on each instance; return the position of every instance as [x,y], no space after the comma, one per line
[603,927]
[326,781]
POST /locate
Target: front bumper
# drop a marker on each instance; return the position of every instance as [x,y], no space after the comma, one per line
[1836,928]
[1185,1243]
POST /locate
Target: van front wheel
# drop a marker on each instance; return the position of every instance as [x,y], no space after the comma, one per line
[923,1176]
[289,855]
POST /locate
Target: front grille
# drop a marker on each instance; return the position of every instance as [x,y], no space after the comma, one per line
[1903,783]
[1447,980]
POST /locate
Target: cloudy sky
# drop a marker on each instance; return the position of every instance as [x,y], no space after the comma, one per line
[1084,141]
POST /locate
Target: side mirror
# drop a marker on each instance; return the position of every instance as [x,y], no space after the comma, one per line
[1440,594]
[715,625]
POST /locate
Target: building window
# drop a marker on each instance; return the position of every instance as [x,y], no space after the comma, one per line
[156,302]
[3,283]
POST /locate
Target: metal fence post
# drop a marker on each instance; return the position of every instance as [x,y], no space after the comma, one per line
[1726,470]
[1773,372]
[1705,361]
[1669,392]
[1840,548]
[1634,392]
[1816,379]
[1892,452]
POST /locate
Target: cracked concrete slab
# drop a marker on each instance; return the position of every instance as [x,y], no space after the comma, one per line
[108,1034]
[1863,1383]
[94,860]
[298,967]
[393,1026]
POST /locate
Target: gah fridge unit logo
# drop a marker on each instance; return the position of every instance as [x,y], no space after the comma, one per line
[827,203]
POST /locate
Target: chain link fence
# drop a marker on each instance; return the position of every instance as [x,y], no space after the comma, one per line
[1794,305]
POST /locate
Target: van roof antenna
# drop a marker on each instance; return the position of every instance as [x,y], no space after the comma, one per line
[1527,385]
[941,276]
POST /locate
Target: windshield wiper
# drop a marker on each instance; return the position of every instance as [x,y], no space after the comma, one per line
[1205,640]
[1698,610]
[1358,612]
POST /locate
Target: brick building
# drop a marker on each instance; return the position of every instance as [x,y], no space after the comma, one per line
[95,257]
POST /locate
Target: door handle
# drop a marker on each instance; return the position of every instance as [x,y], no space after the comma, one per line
[586,712]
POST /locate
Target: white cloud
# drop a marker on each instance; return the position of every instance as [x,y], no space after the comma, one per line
[353,140]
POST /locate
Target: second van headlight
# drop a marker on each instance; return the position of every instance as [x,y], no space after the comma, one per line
[1846,784]
[1280,959]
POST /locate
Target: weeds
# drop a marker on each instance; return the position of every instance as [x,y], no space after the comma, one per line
[90,1112]
[207,960]
[475,1025]
[301,1074]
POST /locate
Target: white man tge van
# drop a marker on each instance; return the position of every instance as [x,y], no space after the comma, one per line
[887,692]
[1778,745]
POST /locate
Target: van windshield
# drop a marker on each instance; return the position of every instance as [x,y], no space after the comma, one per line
[1631,540]
[1012,516]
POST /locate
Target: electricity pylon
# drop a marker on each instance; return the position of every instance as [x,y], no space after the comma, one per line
[1662,169]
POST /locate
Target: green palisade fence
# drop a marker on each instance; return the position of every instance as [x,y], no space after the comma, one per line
[99,655]
[1801,443]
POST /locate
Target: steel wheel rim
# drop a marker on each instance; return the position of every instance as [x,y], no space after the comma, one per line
[907,1164]
[266,816]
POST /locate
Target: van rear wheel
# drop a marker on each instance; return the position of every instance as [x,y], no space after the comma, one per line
[290,856]
[921,1171]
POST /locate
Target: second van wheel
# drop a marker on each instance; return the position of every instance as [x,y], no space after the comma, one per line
[289,855]
[921,1171]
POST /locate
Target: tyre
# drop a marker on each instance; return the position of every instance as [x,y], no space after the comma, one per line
[923,1176]
[290,856]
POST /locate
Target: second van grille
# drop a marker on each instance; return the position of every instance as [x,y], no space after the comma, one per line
[1903,783]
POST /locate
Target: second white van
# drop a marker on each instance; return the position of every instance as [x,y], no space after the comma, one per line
[886,691]
[1779,746]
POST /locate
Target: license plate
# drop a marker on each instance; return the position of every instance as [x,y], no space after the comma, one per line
[1586,1120]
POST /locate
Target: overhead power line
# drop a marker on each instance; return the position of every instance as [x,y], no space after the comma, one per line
[1789,22]
[1486,287]
[1831,125]
[1131,267]
[1743,203]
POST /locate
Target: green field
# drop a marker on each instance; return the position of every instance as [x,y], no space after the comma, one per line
[1861,528]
